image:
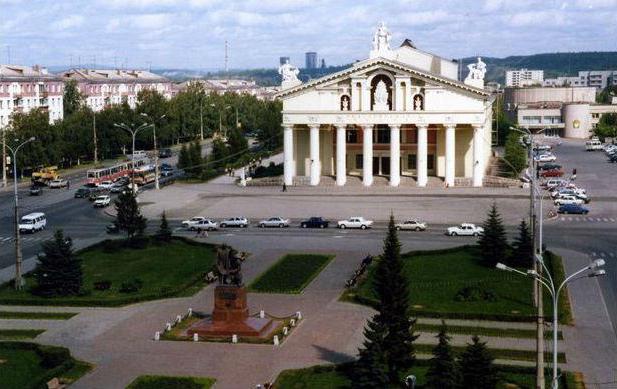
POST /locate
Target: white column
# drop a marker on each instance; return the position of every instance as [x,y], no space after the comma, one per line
[422,156]
[366,96]
[341,155]
[314,154]
[478,158]
[367,155]
[395,155]
[288,151]
[450,154]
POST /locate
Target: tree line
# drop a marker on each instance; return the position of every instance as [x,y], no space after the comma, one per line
[70,141]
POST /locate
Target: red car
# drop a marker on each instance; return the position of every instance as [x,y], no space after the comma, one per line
[551,173]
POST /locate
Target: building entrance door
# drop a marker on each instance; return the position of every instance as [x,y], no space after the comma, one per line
[385,166]
[375,166]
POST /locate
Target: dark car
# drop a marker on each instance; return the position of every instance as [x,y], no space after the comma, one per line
[167,173]
[96,192]
[165,153]
[112,228]
[550,166]
[573,208]
[551,173]
[36,190]
[613,158]
[315,222]
[82,193]
[166,166]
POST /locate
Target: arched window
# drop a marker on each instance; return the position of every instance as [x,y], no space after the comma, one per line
[375,90]
[345,103]
[418,102]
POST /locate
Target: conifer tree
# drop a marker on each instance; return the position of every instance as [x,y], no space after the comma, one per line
[183,158]
[522,255]
[371,370]
[164,232]
[128,215]
[59,271]
[443,370]
[493,243]
[477,368]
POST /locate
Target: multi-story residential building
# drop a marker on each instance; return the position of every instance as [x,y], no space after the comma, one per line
[311,60]
[238,86]
[23,88]
[524,77]
[565,111]
[598,79]
[101,88]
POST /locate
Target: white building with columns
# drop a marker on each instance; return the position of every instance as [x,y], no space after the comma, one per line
[400,113]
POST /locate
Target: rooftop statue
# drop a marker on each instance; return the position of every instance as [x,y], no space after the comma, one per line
[288,72]
[477,71]
[381,42]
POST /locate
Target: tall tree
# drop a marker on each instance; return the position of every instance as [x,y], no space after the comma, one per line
[371,369]
[477,368]
[522,255]
[493,243]
[607,126]
[128,215]
[72,99]
[443,370]
[59,271]
[392,315]
[515,155]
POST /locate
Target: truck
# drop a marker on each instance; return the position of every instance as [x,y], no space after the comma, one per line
[45,174]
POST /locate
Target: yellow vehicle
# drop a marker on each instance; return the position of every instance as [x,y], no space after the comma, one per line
[45,174]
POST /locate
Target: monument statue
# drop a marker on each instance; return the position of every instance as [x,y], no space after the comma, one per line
[477,71]
[381,97]
[289,75]
[229,266]
[345,103]
[417,103]
[381,43]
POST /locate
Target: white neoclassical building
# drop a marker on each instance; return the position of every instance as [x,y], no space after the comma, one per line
[401,112]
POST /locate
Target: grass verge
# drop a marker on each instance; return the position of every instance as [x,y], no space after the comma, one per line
[36,315]
[291,274]
[166,382]
[511,355]
[164,270]
[485,331]
[19,334]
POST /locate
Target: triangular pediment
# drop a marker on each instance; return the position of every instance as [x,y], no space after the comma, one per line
[361,69]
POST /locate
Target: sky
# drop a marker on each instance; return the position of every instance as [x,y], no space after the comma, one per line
[191,34]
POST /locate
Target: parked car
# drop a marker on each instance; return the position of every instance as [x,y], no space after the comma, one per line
[555,183]
[166,173]
[166,166]
[102,201]
[205,224]
[274,222]
[542,148]
[118,187]
[568,199]
[105,185]
[465,229]
[411,224]
[549,166]
[95,193]
[241,222]
[355,222]
[59,183]
[545,158]
[36,190]
[551,173]
[33,222]
[593,145]
[573,208]
[82,192]
[165,153]
[571,192]
[192,221]
[315,222]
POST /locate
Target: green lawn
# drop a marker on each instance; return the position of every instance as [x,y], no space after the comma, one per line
[435,279]
[19,334]
[165,270]
[36,315]
[164,382]
[484,331]
[21,366]
[291,274]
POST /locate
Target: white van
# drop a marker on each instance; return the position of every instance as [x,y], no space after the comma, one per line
[593,145]
[33,222]
[138,154]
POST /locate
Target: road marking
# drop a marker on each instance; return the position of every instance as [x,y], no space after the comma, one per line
[338,236]
[589,219]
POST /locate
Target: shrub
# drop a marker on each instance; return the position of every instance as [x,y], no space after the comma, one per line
[131,286]
[102,285]
[474,293]
[53,356]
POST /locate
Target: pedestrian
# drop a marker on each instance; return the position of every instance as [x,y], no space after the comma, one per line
[68,184]
[198,232]
[205,232]
[284,187]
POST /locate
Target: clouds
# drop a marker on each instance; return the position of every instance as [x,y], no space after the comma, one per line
[191,33]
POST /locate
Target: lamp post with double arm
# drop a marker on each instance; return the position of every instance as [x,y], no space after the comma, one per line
[156,153]
[133,131]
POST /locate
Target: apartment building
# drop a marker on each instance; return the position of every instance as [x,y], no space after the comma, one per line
[524,77]
[239,86]
[598,79]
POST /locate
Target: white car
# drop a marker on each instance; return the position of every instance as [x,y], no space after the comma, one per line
[568,199]
[241,222]
[59,183]
[274,222]
[205,224]
[555,183]
[105,185]
[579,193]
[465,229]
[102,201]
[192,221]
[412,225]
[355,222]
[545,158]
[543,147]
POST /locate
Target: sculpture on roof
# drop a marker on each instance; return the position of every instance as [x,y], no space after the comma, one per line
[289,75]
[381,42]
[477,71]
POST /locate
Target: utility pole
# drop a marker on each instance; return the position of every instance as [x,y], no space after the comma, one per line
[96,149]
[4,182]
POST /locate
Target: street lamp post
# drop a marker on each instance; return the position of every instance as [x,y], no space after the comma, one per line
[18,258]
[555,291]
[96,149]
[133,132]
[156,153]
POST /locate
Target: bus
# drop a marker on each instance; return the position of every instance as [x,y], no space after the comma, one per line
[112,173]
[144,175]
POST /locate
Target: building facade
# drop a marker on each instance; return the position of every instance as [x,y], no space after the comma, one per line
[598,79]
[23,88]
[400,112]
[101,88]
[242,87]
[524,77]
[310,60]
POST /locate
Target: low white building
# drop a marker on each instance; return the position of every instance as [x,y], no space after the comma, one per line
[524,77]
[401,112]
[101,88]
[23,88]
[598,79]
